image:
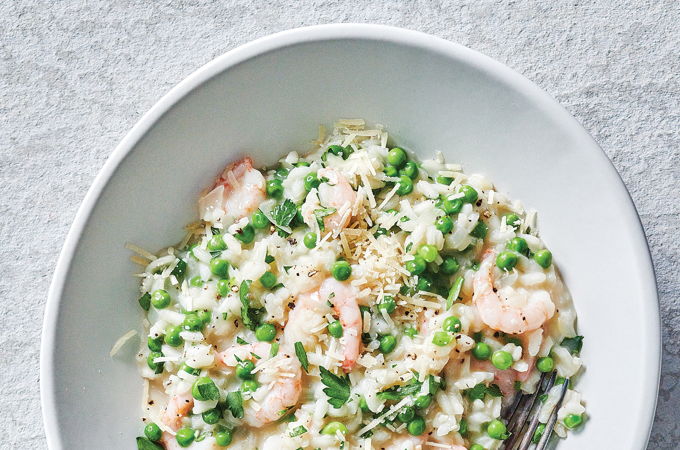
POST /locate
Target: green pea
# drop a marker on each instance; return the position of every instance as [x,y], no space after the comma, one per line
[153,432]
[469,193]
[387,304]
[172,337]
[428,252]
[540,429]
[449,266]
[545,364]
[416,427]
[337,150]
[219,267]
[223,287]
[265,332]
[397,157]
[155,344]
[157,367]
[452,324]
[444,180]
[480,230]
[259,220]
[573,420]
[249,386]
[450,206]
[332,428]
[216,243]
[444,224]
[341,270]
[387,343]
[160,299]
[204,389]
[422,401]
[311,181]
[223,438]
[246,234]
[335,329]
[192,322]
[212,416]
[481,351]
[512,220]
[501,359]
[196,281]
[441,338]
[424,283]
[268,280]
[309,240]
[406,414]
[476,447]
[281,173]
[506,261]
[462,426]
[244,370]
[275,188]
[543,258]
[405,185]
[416,266]
[185,436]
[519,245]
[410,331]
[391,171]
[497,430]
[363,405]
[410,170]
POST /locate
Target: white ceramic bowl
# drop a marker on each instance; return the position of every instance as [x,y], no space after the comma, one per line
[267,98]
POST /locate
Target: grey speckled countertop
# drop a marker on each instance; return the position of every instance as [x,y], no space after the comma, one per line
[76,75]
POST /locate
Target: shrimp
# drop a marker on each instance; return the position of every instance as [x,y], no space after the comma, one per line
[344,300]
[284,380]
[237,192]
[505,379]
[284,389]
[504,310]
[178,407]
[338,194]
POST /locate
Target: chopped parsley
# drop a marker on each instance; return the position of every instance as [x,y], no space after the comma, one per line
[297,431]
[235,404]
[573,344]
[301,355]
[320,214]
[338,387]
[479,391]
[284,213]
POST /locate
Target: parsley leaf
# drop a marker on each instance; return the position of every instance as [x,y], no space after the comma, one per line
[494,391]
[338,387]
[274,349]
[399,392]
[180,270]
[235,404]
[284,213]
[250,316]
[297,431]
[320,214]
[573,344]
[302,355]
[454,292]
[145,444]
[479,391]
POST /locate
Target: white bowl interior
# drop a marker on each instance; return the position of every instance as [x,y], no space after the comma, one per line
[430,95]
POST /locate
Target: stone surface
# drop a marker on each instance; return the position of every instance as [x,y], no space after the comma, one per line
[76,75]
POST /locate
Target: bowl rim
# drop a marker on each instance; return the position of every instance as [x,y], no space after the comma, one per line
[317,33]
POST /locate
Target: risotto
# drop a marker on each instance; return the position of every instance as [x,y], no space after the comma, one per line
[352,297]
